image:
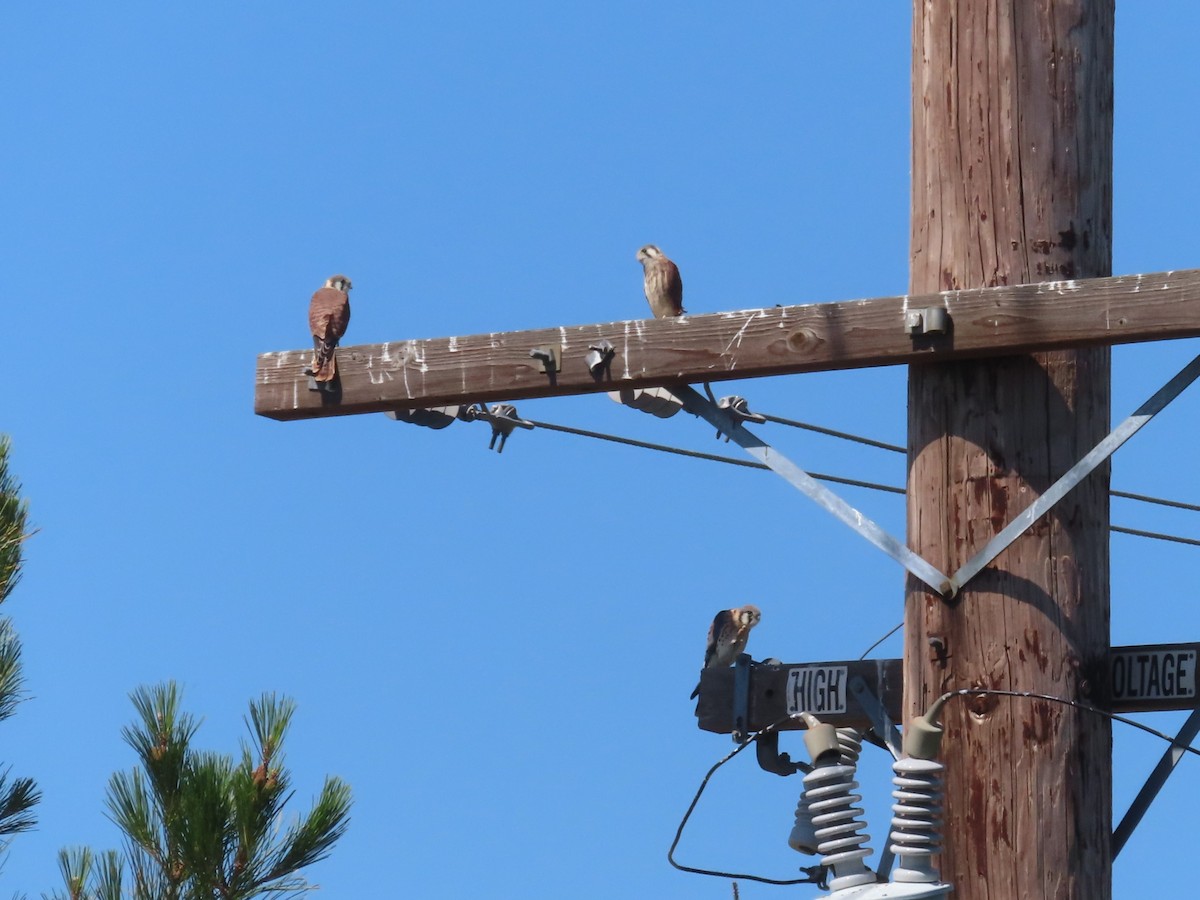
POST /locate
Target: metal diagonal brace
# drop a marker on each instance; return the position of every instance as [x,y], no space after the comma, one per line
[726,423]
[877,713]
[1076,474]
[1154,784]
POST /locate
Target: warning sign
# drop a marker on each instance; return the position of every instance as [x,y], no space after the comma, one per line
[1153,676]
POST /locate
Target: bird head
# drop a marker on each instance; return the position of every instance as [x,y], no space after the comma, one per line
[339,283]
[748,616]
[648,253]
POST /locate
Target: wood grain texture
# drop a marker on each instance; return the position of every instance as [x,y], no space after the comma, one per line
[745,344]
[1012,182]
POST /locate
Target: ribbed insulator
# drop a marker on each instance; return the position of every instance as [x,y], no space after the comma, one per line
[803,838]
[916,822]
[828,793]
[850,743]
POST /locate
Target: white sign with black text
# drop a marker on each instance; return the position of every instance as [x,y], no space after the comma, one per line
[1153,674]
[817,689]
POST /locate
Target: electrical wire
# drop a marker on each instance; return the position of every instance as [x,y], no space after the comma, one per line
[844,435]
[1155,535]
[712,457]
[812,878]
[896,448]
[1159,500]
[850,482]
[1075,704]
[881,640]
[834,479]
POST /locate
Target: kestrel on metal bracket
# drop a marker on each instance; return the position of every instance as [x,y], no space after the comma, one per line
[727,636]
[328,316]
[662,283]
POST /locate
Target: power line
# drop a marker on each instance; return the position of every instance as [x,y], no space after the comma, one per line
[815,874]
[1160,501]
[844,435]
[837,479]
[1155,535]
[712,457]
[896,448]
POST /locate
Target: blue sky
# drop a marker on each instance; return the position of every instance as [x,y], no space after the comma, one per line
[495,651]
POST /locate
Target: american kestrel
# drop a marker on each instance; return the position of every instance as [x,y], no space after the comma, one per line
[727,636]
[328,316]
[662,283]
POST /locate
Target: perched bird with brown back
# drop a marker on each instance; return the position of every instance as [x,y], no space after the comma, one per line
[727,636]
[661,282]
[328,316]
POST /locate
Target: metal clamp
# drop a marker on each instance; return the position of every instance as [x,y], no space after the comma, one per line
[502,417]
[739,409]
[930,320]
[766,748]
[599,358]
[550,359]
[741,697]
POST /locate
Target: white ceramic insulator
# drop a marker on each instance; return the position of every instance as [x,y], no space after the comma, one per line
[828,793]
[916,822]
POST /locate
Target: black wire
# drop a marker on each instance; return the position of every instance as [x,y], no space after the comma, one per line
[1159,500]
[820,476]
[1155,535]
[881,640]
[961,692]
[712,457]
[1076,704]
[896,448]
[844,435]
[837,479]
[696,799]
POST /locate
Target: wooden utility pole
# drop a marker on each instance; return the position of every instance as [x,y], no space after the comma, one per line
[1011,238]
[1012,182]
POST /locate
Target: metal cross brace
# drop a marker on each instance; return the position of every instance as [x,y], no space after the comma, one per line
[877,713]
[1074,475]
[728,423]
[1154,784]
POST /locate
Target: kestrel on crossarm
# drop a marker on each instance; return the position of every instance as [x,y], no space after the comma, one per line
[662,283]
[328,316]
[727,636]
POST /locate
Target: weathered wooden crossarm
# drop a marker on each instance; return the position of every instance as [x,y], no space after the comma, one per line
[744,344]
[1139,678]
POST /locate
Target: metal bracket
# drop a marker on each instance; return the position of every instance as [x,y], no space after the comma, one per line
[599,358]
[1074,475]
[726,423]
[741,697]
[766,748]
[551,361]
[737,407]
[1154,784]
[930,320]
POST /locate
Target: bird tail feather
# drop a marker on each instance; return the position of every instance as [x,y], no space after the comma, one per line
[325,363]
